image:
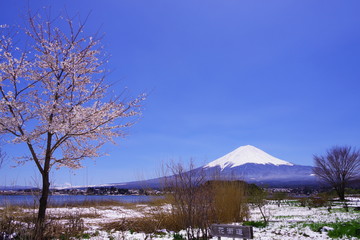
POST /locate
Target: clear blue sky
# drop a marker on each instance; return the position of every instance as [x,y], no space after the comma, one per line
[281,75]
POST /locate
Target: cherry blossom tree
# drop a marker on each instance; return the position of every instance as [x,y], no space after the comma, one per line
[54,99]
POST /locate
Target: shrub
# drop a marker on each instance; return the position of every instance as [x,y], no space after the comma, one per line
[178,236]
[14,222]
[317,202]
[304,201]
[229,201]
[258,224]
[347,229]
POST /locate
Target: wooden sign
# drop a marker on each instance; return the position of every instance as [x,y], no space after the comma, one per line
[232,231]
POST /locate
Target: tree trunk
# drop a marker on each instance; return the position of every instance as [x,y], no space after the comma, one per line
[263,213]
[341,192]
[342,196]
[40,222]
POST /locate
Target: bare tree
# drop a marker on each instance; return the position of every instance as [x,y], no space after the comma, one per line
[54,99]
[339,166]
[191,200]
[257,198]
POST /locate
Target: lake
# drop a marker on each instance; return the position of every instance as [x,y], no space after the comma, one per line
[31,200]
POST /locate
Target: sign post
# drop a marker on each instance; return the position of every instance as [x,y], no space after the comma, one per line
[231,231]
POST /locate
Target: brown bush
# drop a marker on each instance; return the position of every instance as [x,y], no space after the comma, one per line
[229,201]
[196,203]
[317,202]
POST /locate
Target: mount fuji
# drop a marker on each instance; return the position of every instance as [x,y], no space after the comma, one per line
[256,166]
[246,155]
[250,164]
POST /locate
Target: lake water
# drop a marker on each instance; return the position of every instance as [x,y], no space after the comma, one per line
[31,200]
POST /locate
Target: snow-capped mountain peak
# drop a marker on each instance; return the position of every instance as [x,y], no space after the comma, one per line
[246,154]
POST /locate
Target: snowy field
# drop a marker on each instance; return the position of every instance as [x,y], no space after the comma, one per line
[286,222]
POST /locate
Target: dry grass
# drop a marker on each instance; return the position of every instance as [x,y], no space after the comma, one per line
[22,221]
[104,203]
[78,214]
[150,224]
[157,216]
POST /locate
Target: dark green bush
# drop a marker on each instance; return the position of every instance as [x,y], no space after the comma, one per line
[344,229]
[258,224]
[348,229]
[178,236]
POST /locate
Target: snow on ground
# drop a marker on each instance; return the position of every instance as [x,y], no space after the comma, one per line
[286,221]
[106,214]
[303,214]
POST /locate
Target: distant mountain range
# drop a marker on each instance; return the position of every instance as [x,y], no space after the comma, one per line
[15,188]
[246,163]
[250,164]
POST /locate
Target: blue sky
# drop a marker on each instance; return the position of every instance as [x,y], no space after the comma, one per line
[280,75]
